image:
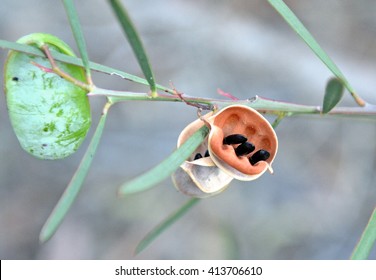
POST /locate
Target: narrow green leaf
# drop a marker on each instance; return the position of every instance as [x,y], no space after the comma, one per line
[367,240]
[166,167]
[77,61]
[299,28]
[78,34]
[135,42]
[21,48]
[165,224]
[333,94]
[72,190]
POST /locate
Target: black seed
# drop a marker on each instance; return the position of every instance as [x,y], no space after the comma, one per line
[234,139]
[207,153]
[15,79]
[198,156]
[258,156]
[244,149]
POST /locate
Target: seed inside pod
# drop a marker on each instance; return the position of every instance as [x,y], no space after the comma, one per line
[198,156]
[245,123]
[244,149]
[259,156]
[234,139]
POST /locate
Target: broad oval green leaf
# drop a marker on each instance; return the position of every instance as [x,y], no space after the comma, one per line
[333,94]
[49,115]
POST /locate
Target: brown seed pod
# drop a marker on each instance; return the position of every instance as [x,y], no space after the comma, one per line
[199,177]
[245,121]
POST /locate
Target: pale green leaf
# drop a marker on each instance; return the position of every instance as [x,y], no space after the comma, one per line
[165,224]
[78,34]
[367,240]
[166,167]
[77,61]
[300,29]
[135,42]
[74,187]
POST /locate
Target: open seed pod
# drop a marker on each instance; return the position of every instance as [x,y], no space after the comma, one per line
[242,142]
[198,176]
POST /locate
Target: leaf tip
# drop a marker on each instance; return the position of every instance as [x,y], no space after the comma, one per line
[125,190]
[44,235]
[121,192]
[140,247]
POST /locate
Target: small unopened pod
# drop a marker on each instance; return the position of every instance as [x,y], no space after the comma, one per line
[242,142]
[49,115]
[198,176]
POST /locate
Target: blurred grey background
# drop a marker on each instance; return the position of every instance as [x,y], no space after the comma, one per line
[322,193]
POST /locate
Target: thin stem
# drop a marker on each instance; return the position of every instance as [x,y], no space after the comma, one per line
[278,120]
[263,105]
[112,71]
[88,87]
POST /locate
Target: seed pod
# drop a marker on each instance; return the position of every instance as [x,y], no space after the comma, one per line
[49,115]
[199,177]
[241,120]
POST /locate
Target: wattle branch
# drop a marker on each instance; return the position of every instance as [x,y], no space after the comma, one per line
[263,105]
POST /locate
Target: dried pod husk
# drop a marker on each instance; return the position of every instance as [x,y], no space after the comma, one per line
[201,177]
[49,115]
[242,120]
